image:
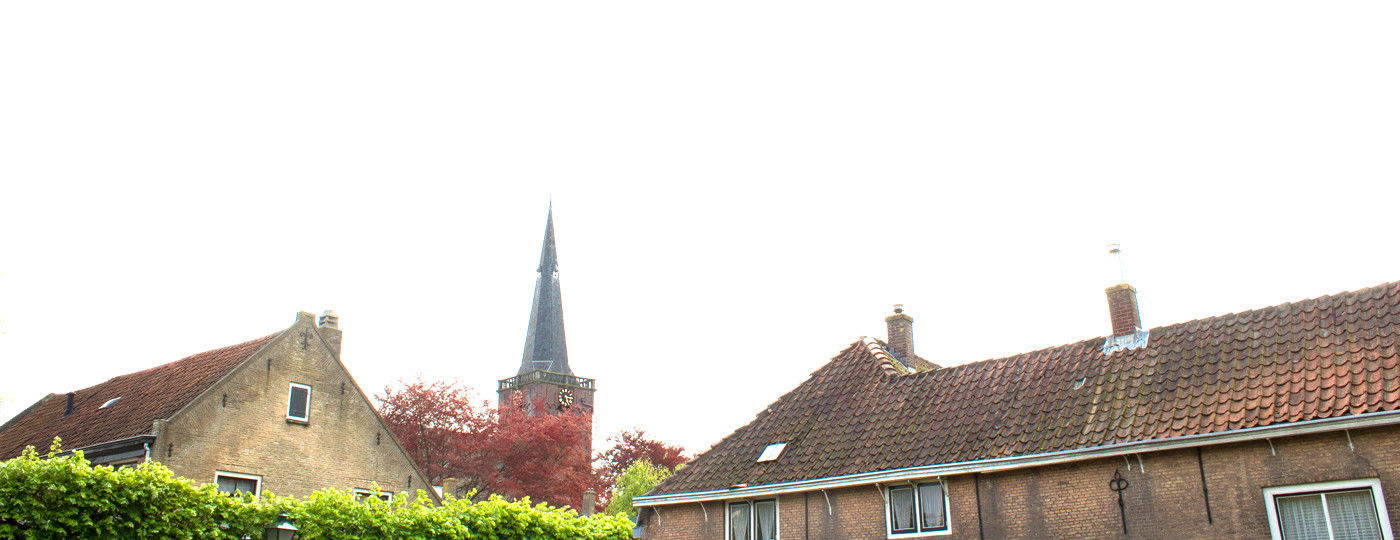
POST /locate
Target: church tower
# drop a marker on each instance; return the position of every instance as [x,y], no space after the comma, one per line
[545,375]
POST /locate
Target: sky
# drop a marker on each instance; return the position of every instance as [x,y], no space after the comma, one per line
[740,189]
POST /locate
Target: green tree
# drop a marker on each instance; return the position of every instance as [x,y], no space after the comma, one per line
[640,477]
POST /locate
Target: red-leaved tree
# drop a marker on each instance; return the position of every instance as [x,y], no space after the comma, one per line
[631,446]
[508,452]
[439,427]
[542,456]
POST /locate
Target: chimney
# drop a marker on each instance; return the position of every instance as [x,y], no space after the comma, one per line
[449,487]
[1123,309]
[328,319]
[329,326]
[590,498]
[68,409]
[901,334]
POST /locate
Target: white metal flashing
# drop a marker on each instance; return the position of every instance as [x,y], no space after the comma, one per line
[1307,427]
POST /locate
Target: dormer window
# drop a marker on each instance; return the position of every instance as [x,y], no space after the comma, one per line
[299,403]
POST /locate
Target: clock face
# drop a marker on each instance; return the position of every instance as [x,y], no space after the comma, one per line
[566,398]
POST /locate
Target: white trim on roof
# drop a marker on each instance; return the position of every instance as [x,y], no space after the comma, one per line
[1307,427]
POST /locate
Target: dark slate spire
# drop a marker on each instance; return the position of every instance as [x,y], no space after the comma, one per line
[544,340]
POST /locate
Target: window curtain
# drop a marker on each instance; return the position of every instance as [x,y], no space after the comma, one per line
[931,506]
[1353,515]
[1300,517]
[765,516]
[230,484]
[739,521]
[902,508]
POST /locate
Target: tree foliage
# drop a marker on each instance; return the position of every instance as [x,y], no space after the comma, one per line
[513,452]
[66,497]
[438,426]
[640,477]
[631,446]
[543,456]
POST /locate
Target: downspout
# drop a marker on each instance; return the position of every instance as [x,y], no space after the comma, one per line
[977,494]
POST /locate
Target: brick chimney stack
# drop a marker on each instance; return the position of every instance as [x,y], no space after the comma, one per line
[901,334]
[329,327]
[329,320]
[1123,309]
[590,500]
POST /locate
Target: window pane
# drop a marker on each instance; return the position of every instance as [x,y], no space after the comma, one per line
[739,521]
[297,407]
[766,520]
[1300,517]
[1353,515]
[902,509]
[931,507]
[230,484]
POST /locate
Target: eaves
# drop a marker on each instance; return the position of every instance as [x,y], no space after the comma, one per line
[1307,427]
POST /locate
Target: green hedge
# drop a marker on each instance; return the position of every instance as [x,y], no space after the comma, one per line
[66,497]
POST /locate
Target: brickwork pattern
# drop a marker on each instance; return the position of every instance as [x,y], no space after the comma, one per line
[240,426]
[1123,309]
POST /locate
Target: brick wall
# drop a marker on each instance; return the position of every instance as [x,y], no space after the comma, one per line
[1164,498]
[240,426]
[1123,309]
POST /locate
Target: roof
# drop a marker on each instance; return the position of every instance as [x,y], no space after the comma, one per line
[149,395]
[544,339]
[1328,357]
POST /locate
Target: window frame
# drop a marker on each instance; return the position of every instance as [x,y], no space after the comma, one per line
[1271,495]
[753,517]
[919,530]
[291,392]
[257,481]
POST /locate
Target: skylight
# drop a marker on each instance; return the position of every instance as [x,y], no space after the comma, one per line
[109,402]
[771,452]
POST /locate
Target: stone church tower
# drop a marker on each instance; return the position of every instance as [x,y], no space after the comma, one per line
[544,374]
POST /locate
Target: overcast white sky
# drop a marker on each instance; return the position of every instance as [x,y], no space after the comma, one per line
[741,189]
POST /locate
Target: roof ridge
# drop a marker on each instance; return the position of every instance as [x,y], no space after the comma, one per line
[1174,326]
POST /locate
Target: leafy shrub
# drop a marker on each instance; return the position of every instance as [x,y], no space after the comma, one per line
[65,497]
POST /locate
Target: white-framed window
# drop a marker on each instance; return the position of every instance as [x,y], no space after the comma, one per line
[299,402]
[232,483]
[1346,509]
[916,509]
[751,520]
[362,494]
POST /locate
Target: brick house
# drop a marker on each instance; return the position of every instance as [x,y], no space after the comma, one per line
[278,413]
[1280,422]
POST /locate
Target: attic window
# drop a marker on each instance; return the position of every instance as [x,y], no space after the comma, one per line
[771,452]
[299,403]
[110,402]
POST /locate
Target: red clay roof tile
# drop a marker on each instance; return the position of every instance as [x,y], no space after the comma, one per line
[149,395]
[1319,358]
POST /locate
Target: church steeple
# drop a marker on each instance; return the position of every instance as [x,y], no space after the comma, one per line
[544,339]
